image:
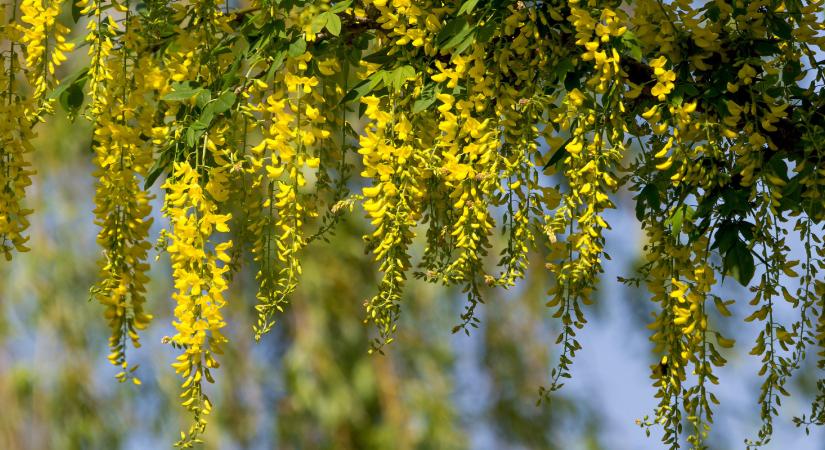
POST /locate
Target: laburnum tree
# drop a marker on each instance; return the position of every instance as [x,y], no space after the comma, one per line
[264,122]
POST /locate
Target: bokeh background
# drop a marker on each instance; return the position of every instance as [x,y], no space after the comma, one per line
[311,384]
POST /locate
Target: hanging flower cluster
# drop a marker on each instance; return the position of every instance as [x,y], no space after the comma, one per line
[391,161]
[15,137]
[293,132]
[34,45]
[120,112]
[199,267]
[464,119]
[44,40]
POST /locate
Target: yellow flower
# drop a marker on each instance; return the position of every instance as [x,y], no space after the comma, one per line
[746,74]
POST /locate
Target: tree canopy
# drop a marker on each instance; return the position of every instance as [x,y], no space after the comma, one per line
[265,122]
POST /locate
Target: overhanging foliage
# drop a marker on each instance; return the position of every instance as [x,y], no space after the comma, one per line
[460,118]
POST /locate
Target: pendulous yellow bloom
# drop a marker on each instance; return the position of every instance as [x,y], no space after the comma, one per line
[199,266]
[44,40]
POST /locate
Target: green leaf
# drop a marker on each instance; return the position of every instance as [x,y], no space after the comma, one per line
[558,155]
[193,134]
[231,78]
[426,99]
[632,45]
[765,47]
[685,90]
[220,105]
[466,41]
[181,92]
[363,88]
[79,76]
[190,137]
[678,218]
[203,121]
[224,102]
[727,235]
[340,7]
[380,57]
[647,198]
[70,93]
[783,30]
[791,72]
[76,8]
[564,66]
[152,177]
[159,166]
[399,76]
[746,229]
[203,98]
[72,98]
[333,24]
[735,202]
[453,33]
[467,7]
[485,33]
[712,11]
[739,263]
[572,79]
[319,22]
[422,103]
[461,40]
[278,60]
[297,47]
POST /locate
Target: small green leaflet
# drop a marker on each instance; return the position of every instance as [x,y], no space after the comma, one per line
[739,263]
[632,45]
[319,22]
[365,87]
[328,20]
[467,7]
[454,33]
[223,102]
[297,47]
[77,77]
[339,7]
[426,99]
[181,92]
[737,257]
[333,24]
[398,76]
[680,215]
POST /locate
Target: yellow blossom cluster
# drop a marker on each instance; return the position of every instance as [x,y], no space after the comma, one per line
[44,40]
[34,45]
[469,167]
[15,176]
[393,163]
[595,36]
[199,267]
[15,137]
[680,279]
[595,145]
[664,78]
[520,106]
[120,114]
[292,134]
[408,22]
